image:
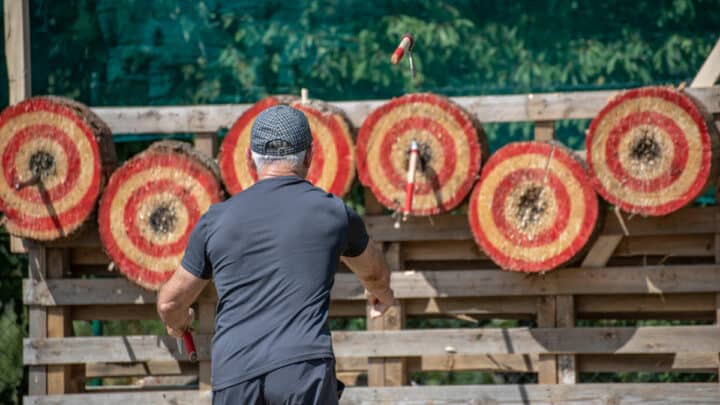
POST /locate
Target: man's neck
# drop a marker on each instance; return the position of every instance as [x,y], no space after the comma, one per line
[277,172]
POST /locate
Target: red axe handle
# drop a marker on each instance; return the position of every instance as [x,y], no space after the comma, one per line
[189,343]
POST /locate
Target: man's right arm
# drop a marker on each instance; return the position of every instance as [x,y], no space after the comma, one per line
[368,263]
[372,270]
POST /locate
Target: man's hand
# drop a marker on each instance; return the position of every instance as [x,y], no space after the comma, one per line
[380,302]
[178,330]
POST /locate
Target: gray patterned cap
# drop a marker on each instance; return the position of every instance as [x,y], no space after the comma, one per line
[279,131]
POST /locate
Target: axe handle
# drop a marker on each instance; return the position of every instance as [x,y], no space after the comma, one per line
[189,343]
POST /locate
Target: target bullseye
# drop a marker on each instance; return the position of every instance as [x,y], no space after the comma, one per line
[533,209]
[333,164]
[55,158]
[150,207]
[649,151]
[451,147]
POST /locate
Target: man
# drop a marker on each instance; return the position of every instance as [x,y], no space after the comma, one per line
[272,251]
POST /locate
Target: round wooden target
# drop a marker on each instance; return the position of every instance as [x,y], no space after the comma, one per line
[533,209]
[150,207]
[56,156]
[649,151]
[451,143]
[333,164]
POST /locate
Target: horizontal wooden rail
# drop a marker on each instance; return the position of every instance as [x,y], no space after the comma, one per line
[688,221]
[521,363]
[506,108]
[580,394]
[404,343]
[426,284]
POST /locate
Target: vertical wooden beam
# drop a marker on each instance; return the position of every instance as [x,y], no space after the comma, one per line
[372,205]
[544,130]
[565,318]
[710,70]
[391,371]
[17,48]
[206,325]
[17,59]
[207,143]
[37,320]
[547,363]
[59,324]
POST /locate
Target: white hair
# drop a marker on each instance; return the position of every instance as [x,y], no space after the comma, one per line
[295,161]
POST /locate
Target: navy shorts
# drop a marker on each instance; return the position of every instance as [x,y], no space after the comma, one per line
[308,382]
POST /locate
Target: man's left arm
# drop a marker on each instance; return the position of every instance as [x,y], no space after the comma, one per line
[175,298]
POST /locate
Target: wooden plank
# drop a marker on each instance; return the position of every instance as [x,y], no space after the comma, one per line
[59,324]
[206,325]
[601,250]
[544,131]
[674,246]
[384,372]
[17,49]
[88,256]
[448,227]
[102,370]
[37,319]
[442,250]
[628,363]
[565,318]
[581,394]
[547,363]
[403,343]
[124,312]
[506,108]
[521,306]
[427,284]
[207,143]
[668,304]
[710,70]
[688,221]
[528,363]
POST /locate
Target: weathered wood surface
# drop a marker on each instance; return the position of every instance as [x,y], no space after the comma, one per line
[710,70]
[688,221]
[522,363]
[506,108]
[580,394]
[435,342]
[426,284]
[446,227]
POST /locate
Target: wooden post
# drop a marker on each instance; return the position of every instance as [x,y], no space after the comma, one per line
[206,325]
[710,70]
[391,371]
[17,59]
[565,318]
[207,143]
[544,130]
[37,320]
[547,363]
[59,324]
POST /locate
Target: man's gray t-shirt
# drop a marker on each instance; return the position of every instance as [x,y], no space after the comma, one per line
[272,251]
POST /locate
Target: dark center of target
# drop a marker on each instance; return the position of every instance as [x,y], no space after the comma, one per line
[645,149]
[530,206]
[163,219]
[424,157]
[42,164]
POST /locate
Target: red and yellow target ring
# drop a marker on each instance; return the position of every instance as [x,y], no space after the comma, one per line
[452,146]
[150,207]
[52,166]
[533,209]
[649,151]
